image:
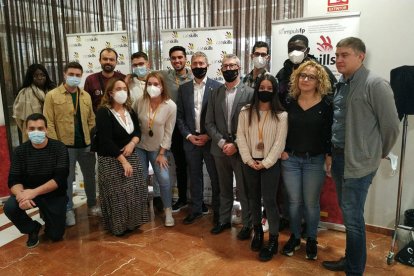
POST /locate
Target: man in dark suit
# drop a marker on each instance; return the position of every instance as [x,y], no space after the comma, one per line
[191,112]
[221,123]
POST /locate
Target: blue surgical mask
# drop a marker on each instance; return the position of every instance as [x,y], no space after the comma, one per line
[73,81]
[140,71]
[37,137]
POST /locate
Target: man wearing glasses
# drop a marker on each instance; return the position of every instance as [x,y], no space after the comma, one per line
[260,58]
[222,117]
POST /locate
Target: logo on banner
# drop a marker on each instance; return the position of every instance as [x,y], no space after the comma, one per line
[190,48]
[123,44]
[219,76]
[222,54]
[76,56]
[208,46]
[108,44]
[325,47]
[228,39]
[121,59]
[89,67]
[291,31]
[93,38]
[228,35]
[337,5]
[191,35]
[92,51]
[173,40]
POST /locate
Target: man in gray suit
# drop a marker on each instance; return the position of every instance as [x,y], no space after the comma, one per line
[221,123]
[191,113]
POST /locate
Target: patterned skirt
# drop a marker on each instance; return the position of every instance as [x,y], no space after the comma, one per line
[124,200]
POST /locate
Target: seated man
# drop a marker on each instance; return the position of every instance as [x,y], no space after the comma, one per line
[38,174]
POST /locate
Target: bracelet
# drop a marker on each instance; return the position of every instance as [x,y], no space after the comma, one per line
[161,153]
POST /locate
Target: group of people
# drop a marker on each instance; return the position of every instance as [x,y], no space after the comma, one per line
[274,135]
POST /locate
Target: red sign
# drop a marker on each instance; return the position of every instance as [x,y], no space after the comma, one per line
[338,5]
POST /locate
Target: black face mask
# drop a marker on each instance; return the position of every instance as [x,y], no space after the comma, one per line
[265,96]
[230,75]
[199,73]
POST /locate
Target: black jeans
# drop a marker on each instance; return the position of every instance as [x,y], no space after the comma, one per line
[53,212]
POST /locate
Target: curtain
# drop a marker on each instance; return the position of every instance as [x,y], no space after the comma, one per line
[35,31]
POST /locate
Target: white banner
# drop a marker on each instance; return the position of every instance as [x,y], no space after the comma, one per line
[85,48]
[215,43]
[323,34]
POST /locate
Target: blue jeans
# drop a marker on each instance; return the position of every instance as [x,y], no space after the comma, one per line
[303,179]
[352,193]
[86,160]
[162,175]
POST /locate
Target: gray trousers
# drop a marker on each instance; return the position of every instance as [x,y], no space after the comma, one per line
[86,160]
[226,165]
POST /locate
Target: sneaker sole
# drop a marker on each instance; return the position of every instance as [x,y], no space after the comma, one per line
[169,224]
[34,245]
[179,209]
[290,254]
[311,258]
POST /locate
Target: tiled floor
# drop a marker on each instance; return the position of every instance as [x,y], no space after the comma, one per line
[180,250]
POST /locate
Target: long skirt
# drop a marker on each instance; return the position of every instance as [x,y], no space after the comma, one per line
[124,200]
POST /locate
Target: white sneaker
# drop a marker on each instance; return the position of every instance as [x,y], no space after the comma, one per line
[70,218]
[95,211]
[169,220]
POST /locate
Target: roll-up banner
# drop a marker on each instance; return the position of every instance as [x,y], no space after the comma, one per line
[85,48]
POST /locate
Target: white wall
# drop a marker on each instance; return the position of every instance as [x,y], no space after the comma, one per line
[387,30]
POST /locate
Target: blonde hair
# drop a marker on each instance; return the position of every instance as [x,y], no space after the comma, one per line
[165,94]
[107,100]
[323,86]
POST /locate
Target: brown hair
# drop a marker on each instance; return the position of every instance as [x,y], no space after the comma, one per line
[324,84]
[107,100]
[165,94]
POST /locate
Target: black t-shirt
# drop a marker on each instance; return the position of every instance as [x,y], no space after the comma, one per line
[309,131]
[34,167]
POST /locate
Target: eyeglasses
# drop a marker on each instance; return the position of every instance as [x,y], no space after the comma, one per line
[229,66]
[309,77]
[39,76]
[257,54]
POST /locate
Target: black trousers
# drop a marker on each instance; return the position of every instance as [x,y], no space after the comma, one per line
[53,212]
[177,150]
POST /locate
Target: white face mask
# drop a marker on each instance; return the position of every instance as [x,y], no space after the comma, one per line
[296,57]
[259,62]
[121,96]
[153,91]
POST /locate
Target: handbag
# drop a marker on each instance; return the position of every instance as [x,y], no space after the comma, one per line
[406,255]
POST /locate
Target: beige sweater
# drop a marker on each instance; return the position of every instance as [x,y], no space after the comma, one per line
[274,137]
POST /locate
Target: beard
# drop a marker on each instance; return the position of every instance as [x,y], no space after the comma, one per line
[107,68]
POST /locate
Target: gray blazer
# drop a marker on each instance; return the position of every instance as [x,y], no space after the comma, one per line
[185,109]
[216,117]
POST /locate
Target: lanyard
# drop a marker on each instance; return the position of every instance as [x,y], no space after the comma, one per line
[260,145]
[151,120]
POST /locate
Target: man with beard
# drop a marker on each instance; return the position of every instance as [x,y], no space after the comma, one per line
[95,83]
[173,79]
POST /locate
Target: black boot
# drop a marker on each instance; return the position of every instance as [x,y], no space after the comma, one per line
[266,254]
[257,241]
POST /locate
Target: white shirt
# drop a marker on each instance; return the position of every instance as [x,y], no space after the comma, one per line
[128,125]
[136,89]
[198,102]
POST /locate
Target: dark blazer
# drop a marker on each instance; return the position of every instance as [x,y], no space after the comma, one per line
[185,109]
[216,117]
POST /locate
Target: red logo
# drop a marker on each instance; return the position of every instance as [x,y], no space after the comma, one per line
[325,45]
[338,5]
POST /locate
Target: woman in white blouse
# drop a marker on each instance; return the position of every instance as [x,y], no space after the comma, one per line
[157,113]
[261,136]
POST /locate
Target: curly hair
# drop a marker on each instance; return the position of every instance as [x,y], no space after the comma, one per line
[108,101]
[28,79]
[323,86]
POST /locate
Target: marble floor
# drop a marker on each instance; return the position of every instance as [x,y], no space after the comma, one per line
[180,250]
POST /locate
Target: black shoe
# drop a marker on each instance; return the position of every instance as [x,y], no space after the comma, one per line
[291,246]
[335,265]
[192,217]
[244,233]
[311,249]
[257,241]
[205,209]
[266,254]
[220,227]
[33,239]
[159,206]
[178,206]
